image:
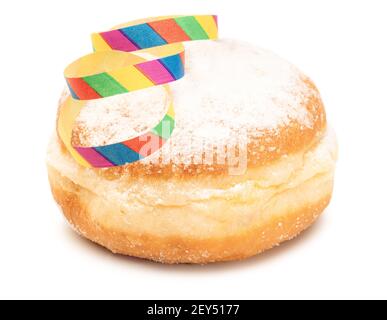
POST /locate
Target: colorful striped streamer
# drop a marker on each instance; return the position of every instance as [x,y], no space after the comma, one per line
[157,32]
[130,57]
[121,72]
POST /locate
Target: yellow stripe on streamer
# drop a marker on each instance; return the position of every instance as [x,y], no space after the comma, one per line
[208,23]
[131,79]
[99,44]
[68,113]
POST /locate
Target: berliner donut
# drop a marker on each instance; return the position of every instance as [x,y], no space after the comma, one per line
[249,165]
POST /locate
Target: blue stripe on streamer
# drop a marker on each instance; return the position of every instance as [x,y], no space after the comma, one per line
[174,65]
[118,154]
[143,36]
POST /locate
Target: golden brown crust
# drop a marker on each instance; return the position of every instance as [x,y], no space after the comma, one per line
[277,228]
[265,147]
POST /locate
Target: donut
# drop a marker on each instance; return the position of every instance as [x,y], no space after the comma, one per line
[249,165]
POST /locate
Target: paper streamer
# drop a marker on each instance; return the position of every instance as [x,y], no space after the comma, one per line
[131,57]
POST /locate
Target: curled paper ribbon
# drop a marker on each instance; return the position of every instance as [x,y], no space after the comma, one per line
[130,57]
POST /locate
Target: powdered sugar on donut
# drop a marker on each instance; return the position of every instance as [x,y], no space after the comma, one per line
[230,89]
[118,118]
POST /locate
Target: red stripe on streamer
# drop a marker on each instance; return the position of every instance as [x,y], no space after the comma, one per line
[182,57]
[169,30]
[146,144]
[82,89]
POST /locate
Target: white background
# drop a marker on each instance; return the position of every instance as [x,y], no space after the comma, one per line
[342,45]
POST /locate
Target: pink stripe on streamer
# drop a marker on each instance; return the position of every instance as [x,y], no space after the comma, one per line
[155,71]
[117,41]
[216,20]
[94,158]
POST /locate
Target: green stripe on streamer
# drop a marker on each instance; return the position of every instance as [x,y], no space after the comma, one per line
[105,85]
[192,28]
[164,128]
